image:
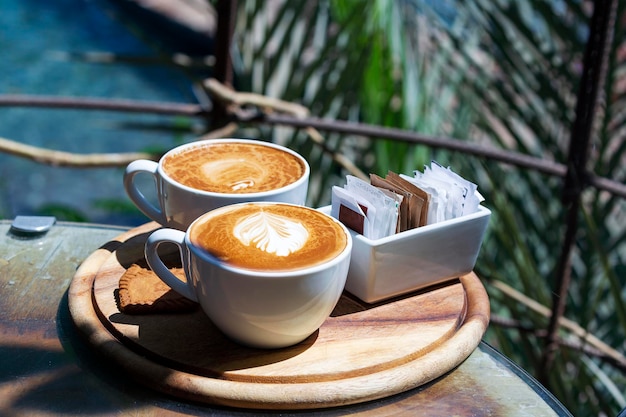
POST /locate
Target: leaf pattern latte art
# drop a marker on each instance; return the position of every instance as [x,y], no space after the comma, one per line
[271,233]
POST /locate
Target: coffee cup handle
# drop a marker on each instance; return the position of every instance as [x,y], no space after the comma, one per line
[137,197]
[176,237]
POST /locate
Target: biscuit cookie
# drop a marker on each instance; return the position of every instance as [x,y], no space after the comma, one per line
[142,292]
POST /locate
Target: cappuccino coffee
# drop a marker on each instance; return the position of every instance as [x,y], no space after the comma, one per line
[269,237]
[233,168]
[267,274]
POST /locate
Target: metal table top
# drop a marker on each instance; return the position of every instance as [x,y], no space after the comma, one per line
[47,369]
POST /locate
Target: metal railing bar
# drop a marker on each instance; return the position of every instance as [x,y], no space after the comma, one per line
[589,99]
[605,184]
[195,110]
[510,157]
[544,166]
[92,103]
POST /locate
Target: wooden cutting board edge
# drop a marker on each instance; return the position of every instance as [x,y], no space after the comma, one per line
[267,395]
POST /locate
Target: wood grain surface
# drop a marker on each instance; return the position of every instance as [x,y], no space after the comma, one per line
[362,352]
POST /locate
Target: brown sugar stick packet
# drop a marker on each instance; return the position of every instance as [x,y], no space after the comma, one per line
[405,210]
[422,198]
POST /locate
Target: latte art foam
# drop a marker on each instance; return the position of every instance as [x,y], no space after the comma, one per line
[269,236]
[235,174]
[233,167]
[271,233]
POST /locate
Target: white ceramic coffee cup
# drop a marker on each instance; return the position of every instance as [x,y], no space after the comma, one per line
[179,205]
[266,309]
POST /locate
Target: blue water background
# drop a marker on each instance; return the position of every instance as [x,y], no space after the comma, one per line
[36,37]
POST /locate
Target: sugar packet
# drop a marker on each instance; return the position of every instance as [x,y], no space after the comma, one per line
[414,206]
[366,209]
[452,196]
[354,214]
[397,203]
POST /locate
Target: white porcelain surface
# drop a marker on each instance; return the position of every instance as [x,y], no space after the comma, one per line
[408,261]
[178,205]
[259,309]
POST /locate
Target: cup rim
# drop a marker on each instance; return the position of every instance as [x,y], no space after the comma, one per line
[206,256]
[303,178]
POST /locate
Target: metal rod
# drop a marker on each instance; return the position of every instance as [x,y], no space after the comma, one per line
[593,77]
[226,13]
[509,157]
[194,110]
[90,103]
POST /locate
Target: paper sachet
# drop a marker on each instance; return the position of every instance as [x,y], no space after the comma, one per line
[384,221]
[436,202]
[471,196]
[453,195]
[414,207]
[398,203]
[365,209]
[350,212]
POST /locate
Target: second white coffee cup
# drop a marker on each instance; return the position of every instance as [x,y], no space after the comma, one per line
[197,177]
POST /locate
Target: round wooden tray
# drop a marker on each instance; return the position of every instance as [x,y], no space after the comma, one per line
[362,351]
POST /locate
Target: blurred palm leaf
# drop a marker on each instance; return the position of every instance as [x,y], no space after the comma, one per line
[503,73]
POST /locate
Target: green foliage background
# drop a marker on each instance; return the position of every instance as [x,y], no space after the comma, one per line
[502,73]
